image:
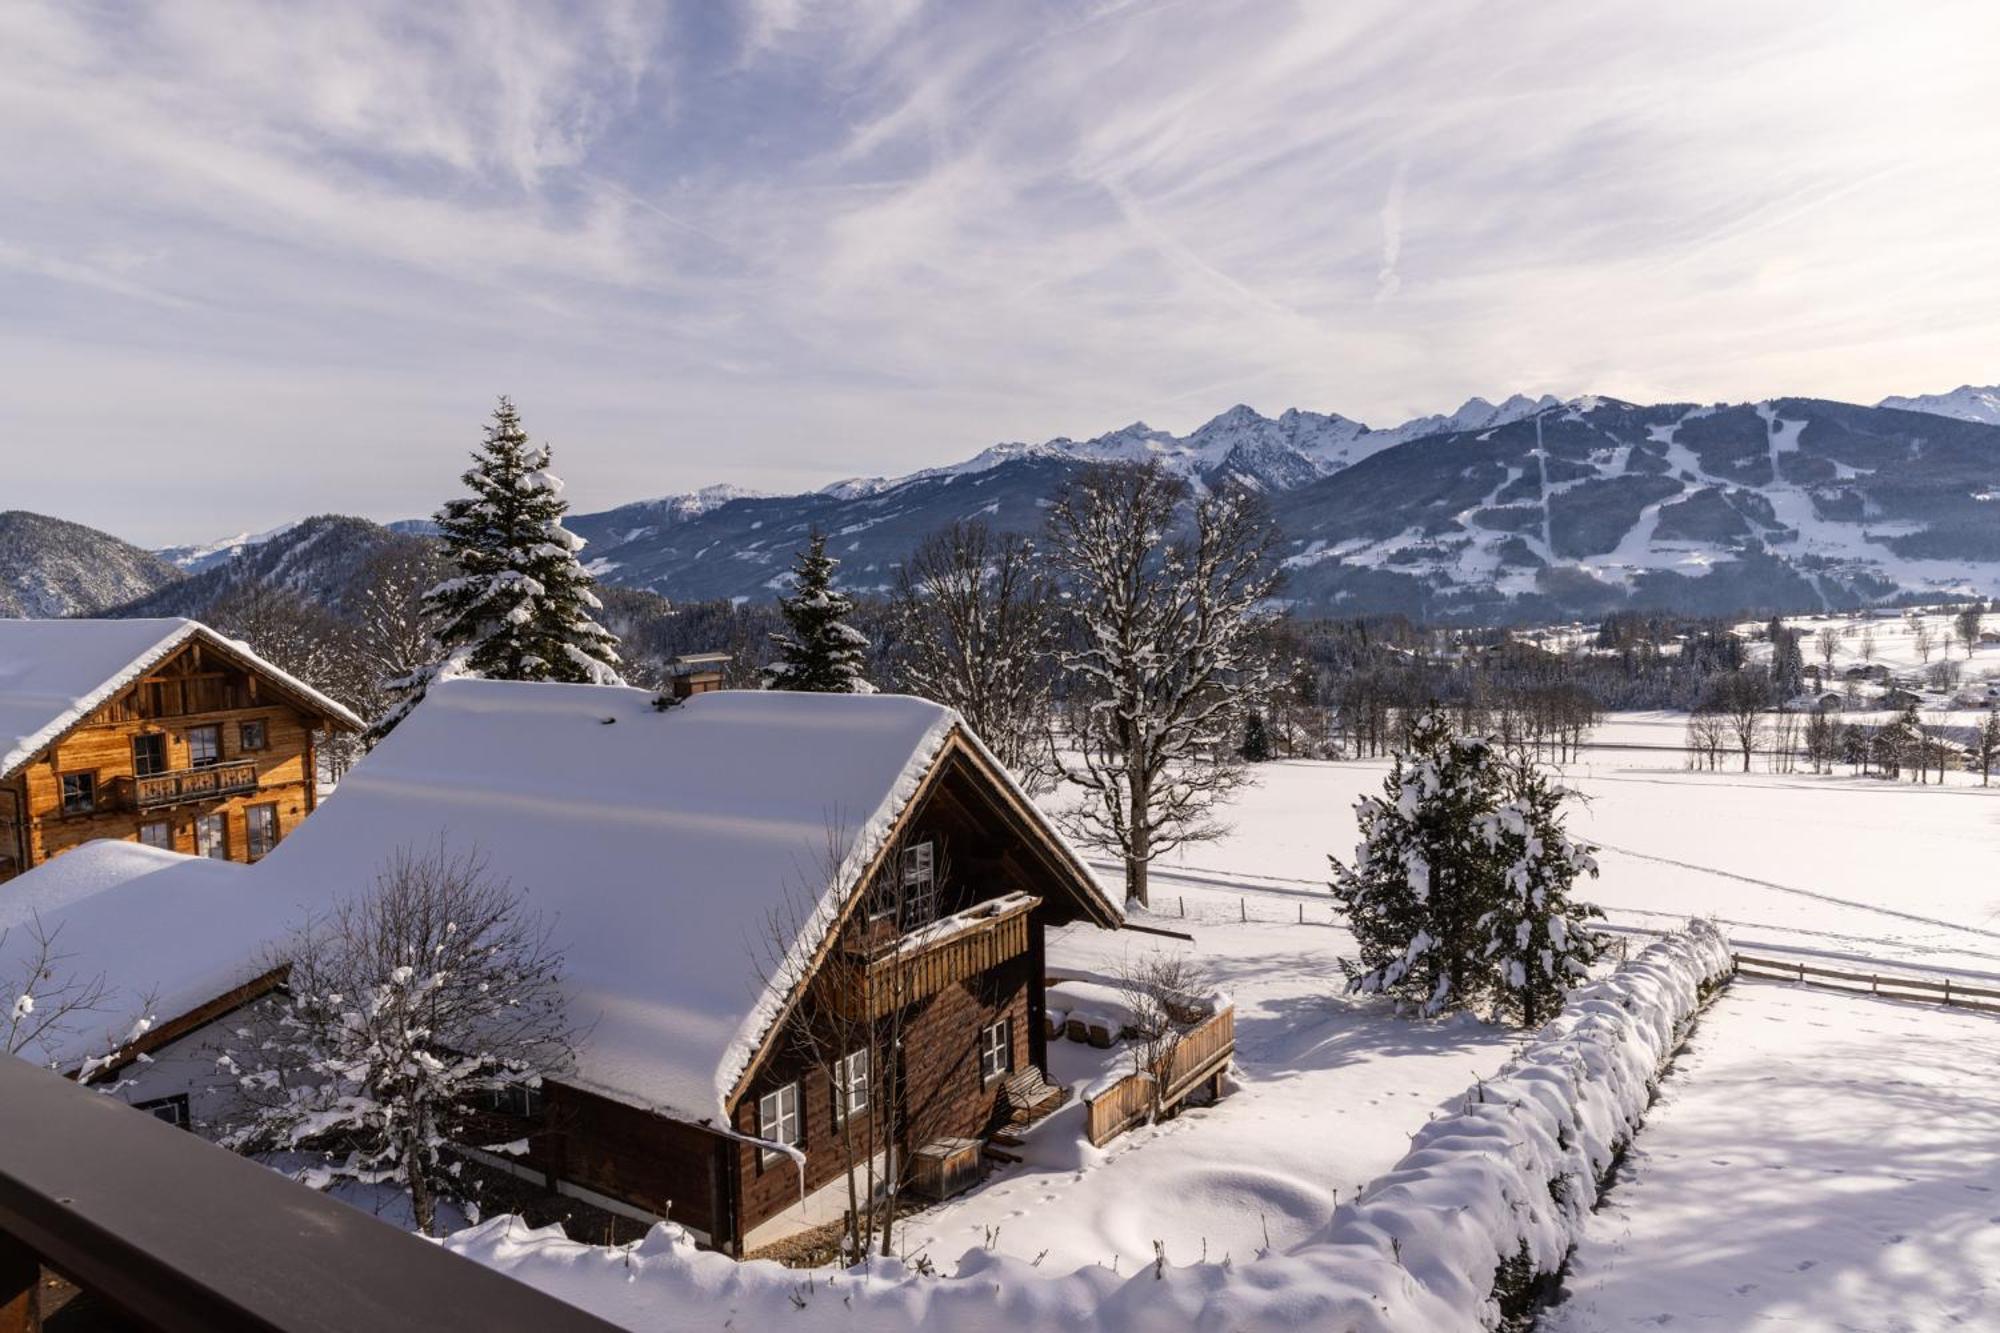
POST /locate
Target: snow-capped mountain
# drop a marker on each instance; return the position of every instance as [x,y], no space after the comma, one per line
[1529,509]
[1968,402]
[51,568]
[207,555]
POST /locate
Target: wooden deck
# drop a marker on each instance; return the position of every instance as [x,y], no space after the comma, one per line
[1199,1056]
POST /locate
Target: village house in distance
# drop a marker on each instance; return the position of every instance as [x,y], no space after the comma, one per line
[708,867]
[153,731]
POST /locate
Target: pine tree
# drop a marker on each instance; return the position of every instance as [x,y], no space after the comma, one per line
[1256,746]
[1536,938]
[822,653]
[519,604]
[1422,879]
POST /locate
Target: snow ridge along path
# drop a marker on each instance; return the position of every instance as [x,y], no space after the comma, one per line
[1512,1174]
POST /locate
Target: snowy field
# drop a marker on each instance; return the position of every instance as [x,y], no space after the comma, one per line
[1330,1088]
[1862,1193]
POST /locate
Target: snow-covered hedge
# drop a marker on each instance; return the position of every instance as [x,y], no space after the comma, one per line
[1487,1197]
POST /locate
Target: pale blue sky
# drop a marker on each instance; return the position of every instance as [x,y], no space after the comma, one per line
[263,260]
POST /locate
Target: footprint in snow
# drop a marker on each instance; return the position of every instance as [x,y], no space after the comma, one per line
[1803,1264]
[1745,1289]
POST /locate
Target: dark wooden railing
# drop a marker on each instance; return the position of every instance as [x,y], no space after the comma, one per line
[193,784]
[180,1236]
[920,964]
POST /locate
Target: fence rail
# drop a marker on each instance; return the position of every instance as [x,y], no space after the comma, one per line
[1199,1055]
[1957,994]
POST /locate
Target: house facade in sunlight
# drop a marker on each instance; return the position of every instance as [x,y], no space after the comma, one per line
[160,732]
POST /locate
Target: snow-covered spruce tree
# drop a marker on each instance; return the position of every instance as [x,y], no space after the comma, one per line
[1169,653]
[402,1008]
[1423,878]
[1537,939]
[518,604]
[821,653]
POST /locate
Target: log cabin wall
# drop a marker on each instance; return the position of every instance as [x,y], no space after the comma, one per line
[648,1161]
[190,689]
[978,857]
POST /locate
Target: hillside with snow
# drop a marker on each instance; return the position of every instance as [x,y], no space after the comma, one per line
[1967,402]
[1530,510]
[51,568]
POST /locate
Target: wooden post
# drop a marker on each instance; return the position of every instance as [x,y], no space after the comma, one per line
[1183,907]
[1243,907]
[20,1288]
[1802,974]
[1947,990]
[1302,914]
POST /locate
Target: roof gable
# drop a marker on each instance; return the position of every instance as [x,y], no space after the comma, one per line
[55,673]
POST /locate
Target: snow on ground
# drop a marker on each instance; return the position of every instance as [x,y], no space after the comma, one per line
[1863,1193]
[1329,1089]
[1832,868]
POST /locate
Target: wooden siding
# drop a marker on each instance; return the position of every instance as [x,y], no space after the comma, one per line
[653,1163]
[280,773]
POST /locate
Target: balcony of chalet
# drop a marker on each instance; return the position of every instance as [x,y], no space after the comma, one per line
[880,971]
[184,786]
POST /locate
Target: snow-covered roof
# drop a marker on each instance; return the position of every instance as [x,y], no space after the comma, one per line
[656,844]
[53,673]
[168,933]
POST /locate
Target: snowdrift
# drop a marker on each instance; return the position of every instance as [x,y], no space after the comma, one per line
[1487,1199]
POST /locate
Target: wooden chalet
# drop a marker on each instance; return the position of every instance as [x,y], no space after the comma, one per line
[792,924]
[154,731]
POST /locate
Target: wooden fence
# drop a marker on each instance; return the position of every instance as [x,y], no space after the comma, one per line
[1944,990]
[1199,1055]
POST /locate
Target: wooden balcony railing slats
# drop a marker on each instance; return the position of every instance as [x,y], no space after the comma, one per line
[193,784]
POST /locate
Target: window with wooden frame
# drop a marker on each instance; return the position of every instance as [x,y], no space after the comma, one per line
[261,825]
[173,1110]
[211,837]
[157,833]
[996,1050]
[149,754]
[850,1085]
[253,736]
[204,747]
[79,793]
[778,1122]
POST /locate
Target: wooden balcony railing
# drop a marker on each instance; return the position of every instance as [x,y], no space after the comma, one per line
[1200,1054]
[922,962]
[193,784]
[180,1236]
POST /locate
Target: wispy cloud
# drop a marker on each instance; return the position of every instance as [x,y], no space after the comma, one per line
[782,241]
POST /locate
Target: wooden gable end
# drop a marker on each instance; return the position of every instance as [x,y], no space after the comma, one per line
[1008,850]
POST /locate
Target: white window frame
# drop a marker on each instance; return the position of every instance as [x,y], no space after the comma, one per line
[919,884]
[996,1050]
[850,1085]
[778,1117]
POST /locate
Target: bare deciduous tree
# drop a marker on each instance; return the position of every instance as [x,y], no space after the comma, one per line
[1968,620]
[1168,1001]
[1167,656]
[1828,640]
[403,1006]
[975,626]
[47,998]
